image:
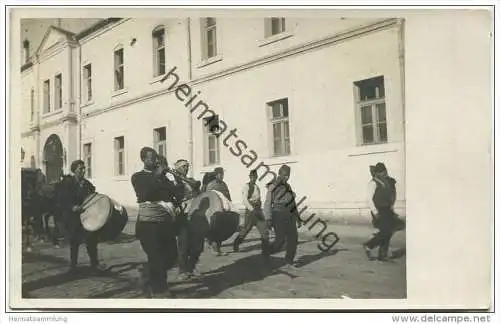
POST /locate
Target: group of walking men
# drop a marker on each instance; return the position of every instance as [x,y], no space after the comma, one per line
[166,240]
[169,240]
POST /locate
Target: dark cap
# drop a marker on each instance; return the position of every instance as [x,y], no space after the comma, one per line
[379,167]
[284,168]
[218,170]
[253,173]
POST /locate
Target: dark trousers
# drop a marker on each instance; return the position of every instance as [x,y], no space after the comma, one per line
[386,223]
[254,218]
[285,228]
[78,236]
[190,245]
[158,242]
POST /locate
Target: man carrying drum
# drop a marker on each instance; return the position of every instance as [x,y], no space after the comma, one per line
[219,185]
[155,222]
[190,242]
[73,190]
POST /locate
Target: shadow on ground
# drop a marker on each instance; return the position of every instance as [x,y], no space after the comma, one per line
[242,271]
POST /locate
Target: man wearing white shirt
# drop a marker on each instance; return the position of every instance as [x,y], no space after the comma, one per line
[253,214]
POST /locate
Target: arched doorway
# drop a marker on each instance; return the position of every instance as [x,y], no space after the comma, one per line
[53,158]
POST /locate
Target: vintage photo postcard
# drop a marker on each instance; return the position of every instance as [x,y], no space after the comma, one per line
[233,158]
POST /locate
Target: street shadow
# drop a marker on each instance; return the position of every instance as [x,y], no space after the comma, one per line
[51,281]
[131,288]
[229,242]
[304,260]
[124,267]
[245,270]
[29,257]
[255,247]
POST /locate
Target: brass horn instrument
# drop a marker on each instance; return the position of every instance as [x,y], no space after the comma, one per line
[193,183]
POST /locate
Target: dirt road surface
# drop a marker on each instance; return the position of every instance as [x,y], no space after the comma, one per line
[343,272]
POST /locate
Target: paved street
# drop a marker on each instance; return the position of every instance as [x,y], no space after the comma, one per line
[344,272]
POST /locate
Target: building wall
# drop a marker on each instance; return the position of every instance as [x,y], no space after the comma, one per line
[139,79]
[129,113]
[326,160]
[240,41]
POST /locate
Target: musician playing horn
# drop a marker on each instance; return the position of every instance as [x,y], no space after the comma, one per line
[73,190]
[154,227]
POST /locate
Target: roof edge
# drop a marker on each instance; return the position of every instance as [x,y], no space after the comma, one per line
[96,27]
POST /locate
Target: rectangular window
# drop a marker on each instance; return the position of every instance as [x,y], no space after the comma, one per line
[160,140]
[274,26]
[119,70]
[371,110]
[87,158]
[58,90]
[278,110]
[87,82]
[119,156]
[159,51]
[209,37]
[212,141]
[32,105]
[46,96]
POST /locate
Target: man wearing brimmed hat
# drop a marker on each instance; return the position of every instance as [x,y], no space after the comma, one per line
[280,210]
[381,199]
[253,214]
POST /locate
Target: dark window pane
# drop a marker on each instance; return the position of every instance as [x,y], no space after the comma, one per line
[382,130]
[210,22]
[277,147]
[286,130]
[366,115]
[371,88]
[287,146]
[381,112]
[285,108]
[367,134]
[276,111]
[161,61]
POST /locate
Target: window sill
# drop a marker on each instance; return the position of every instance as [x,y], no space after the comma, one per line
[376,148]
[88,103]
[158,78]
[120,92]
[53,113]
[209,61]
[280,159]
[275,38]
[120,178]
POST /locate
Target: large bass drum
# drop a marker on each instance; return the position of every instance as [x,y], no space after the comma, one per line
[210,214]
[104,216]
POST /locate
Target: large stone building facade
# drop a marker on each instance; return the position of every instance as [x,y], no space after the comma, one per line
[322,95]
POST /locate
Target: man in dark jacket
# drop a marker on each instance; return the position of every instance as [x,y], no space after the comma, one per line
[280,211]
[381,199]
[73,191]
